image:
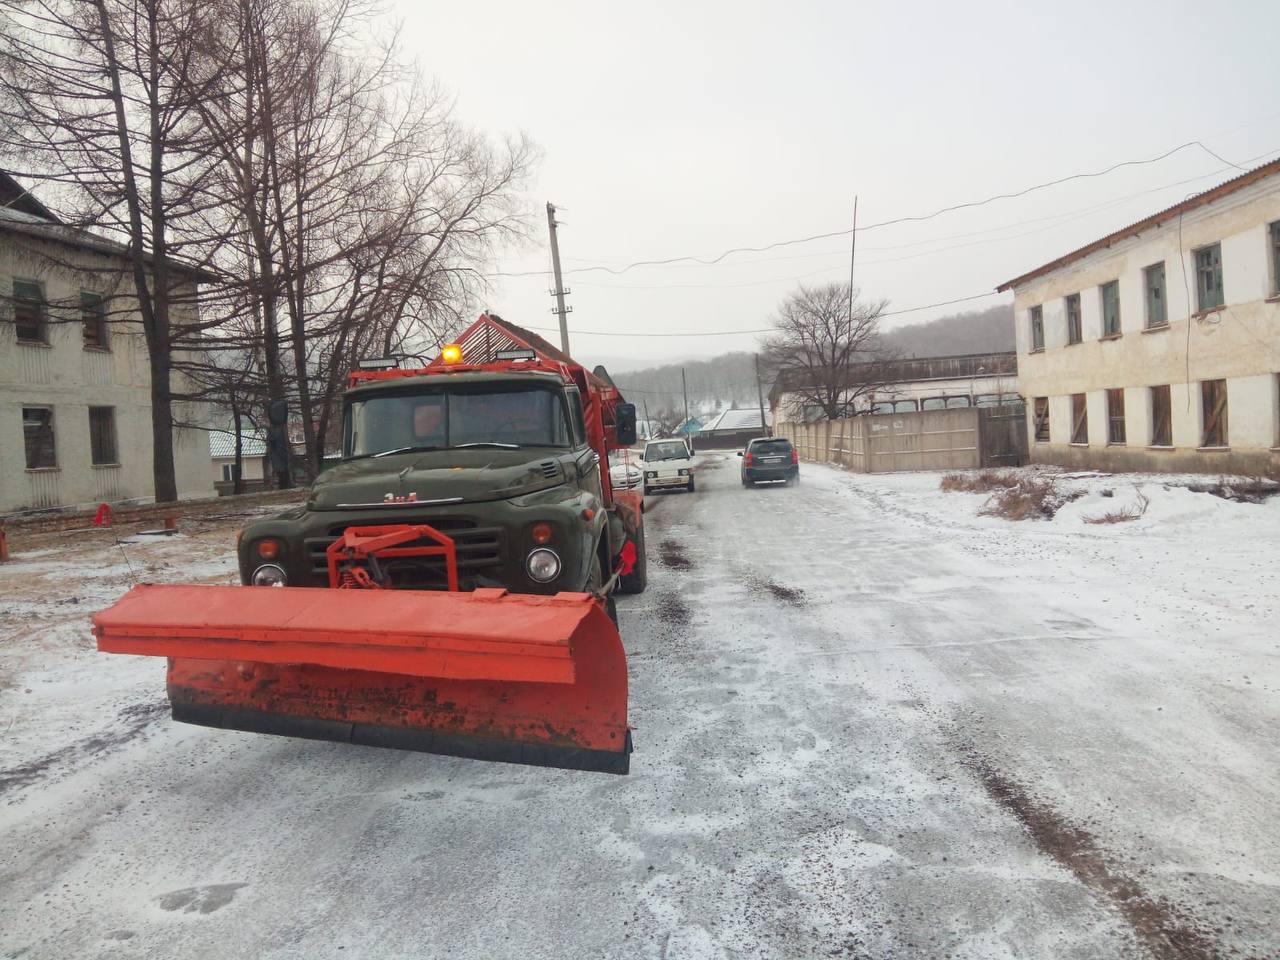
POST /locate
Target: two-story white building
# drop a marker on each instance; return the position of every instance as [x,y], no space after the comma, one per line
[75,385]
[1157,347]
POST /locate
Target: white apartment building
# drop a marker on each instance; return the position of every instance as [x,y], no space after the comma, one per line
[75,412]
[1157,347]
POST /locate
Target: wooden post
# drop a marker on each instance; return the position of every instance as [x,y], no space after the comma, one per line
[4,543]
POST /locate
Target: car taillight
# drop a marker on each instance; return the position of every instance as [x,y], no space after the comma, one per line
[795,458]
[746,459]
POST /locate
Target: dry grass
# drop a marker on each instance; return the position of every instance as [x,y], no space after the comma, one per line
[1251,490]
[1123,514]
[1028,498]
[983,482]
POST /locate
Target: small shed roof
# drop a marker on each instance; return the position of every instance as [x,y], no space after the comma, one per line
[735,421]
[222,445]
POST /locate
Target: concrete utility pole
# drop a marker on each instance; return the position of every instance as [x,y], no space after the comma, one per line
[560,309]
[648,424]
[685,387]
[853,250]
[764,424]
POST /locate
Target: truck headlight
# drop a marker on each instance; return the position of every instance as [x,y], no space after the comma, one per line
[543,565]
[651,474]
[682,472]
[269,575]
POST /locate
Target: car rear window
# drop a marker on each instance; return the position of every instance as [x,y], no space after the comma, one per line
[771,446]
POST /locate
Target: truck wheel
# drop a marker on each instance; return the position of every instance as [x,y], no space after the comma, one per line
[635,581]
[690,487]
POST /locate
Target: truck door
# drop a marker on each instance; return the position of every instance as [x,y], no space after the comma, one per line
[585,458]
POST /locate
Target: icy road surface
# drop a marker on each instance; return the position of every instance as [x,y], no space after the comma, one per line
[869,724]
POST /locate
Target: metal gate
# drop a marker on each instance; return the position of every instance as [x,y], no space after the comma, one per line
[1003,432]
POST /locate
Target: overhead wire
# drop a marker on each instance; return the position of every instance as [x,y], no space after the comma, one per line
[883,223]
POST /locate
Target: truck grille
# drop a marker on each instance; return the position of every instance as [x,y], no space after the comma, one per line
[478,548]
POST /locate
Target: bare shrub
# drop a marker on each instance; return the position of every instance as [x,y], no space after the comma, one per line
[983,482]
[1029,498]
[1123,514]
[1250,490]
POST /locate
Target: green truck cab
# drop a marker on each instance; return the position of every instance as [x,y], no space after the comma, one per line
[500,461]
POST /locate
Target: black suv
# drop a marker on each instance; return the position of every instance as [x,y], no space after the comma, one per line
[769,458]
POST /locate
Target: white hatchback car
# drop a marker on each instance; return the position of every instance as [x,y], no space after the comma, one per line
[668,464]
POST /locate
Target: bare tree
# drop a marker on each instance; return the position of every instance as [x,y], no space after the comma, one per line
[98,98]
[821,332]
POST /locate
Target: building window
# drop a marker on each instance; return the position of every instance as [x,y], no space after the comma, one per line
[1209,277]
[228,472]
[933,403]
[1042,419]
[37,435]
[1037,329]
[29,312]
[1079,418]
[1213,397]
[102,436]
[1274,235]
[1110,308]
[1157,311]
[1161,417]
[1074,334]
[1115,416]
[93,317]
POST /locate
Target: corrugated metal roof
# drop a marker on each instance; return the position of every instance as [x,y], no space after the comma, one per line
[222,445]
[1154,220]
[733,421]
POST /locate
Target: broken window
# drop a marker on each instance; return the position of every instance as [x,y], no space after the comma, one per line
[1110,308]
[1115,416]
[37,435]
[1074,334]
[1157,312]
[93,316]
[102,436]
[1079,418]
[1161,417]
[29,312]
[1213,397]
[1209,277]
[1037,328]
[1042,419]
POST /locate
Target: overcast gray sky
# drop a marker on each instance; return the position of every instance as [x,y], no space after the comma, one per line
[688,128]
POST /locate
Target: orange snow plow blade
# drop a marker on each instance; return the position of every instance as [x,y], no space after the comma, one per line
[486,674]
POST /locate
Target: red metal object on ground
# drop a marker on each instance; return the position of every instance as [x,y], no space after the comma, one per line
[4,543]
[103,517]
[486,674]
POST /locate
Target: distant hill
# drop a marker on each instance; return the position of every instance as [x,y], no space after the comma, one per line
[979,331]
[718,383]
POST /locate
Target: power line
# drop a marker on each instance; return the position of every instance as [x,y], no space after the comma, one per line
[733,333]
[885,223]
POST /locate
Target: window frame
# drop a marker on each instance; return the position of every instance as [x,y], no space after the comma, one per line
[42,313]
[1161,390]
[1163,297]
[1080,419]
[1107,332]
[1075,321]
[27,443]
[98,321]
[1040,419]
[97,437]
[1116,433]
[1273,241]
[1214,411]
[1214,269]
[1036,316]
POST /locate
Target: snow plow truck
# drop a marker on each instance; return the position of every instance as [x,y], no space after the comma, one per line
[446,587]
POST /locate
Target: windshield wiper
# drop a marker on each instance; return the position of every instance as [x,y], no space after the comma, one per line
[486,443]
[410,449]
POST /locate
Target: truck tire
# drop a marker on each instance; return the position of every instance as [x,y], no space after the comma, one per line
[690,487]
[638,578]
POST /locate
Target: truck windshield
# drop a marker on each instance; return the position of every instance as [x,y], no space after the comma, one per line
[386,423]
[674,450]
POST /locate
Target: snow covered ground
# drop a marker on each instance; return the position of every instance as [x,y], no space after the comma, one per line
[870,723]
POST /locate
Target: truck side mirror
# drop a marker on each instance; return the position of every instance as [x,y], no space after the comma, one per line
[625,421]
